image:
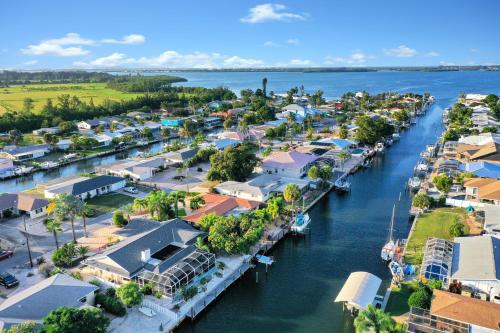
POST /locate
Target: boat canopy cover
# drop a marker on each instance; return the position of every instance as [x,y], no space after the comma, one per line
[359,290]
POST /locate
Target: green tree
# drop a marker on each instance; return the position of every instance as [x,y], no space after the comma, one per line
[370,131]
[443,183]
[201,245]
[26,327]
[421,200]
[325,173]
[313,172]
[196,202]
[64,256]
[457,229]
[165,133]
[15,136]
[234,163]
[275,207]
[228,123]
[373,320]
[291,193]
[28,105]
[264,86]
[72,320]
[119,219]
[343,132]
[53,226]
[67,205]
[159,205]
[130,294]
[420,298]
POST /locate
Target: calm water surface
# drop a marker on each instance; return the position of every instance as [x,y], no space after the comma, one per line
[347,232]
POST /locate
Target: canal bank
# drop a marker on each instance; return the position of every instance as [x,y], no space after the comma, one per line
[346,235]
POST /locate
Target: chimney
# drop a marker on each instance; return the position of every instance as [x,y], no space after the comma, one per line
[145,255]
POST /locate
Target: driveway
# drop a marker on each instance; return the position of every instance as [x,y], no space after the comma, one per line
[166,180]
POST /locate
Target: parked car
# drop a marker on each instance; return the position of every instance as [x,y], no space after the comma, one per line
[132,190]
[6,254]
[8,280]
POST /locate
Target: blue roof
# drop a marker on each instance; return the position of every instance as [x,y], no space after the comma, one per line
[276,122]
[482,169]
[223,143]
[341,143]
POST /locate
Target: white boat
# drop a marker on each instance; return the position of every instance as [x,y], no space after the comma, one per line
[48,165]
[69,156]
[342,184]
[22,170]
[301,222]
[422,166]
[389,142]
[414,183]
[391,247]
[142,143]
[395,136]
[379,147]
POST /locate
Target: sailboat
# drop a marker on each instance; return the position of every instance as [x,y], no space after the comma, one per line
[391,247]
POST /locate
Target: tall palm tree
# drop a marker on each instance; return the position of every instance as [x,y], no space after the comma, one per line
[291,194]
[264,86]
[54,227]
[140,204]
[196,202]
[67,205]
[373,320]
[84,211]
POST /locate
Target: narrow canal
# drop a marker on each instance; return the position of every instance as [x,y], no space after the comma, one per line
[347,233]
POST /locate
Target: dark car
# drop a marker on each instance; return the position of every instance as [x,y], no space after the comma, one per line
[6,254]
[8,280]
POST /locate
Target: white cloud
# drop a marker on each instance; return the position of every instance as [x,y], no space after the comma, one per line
[446,63]
[356,58]
[129,39]
[174,59]
[300,62]
[31,62]
[270,43]
[432,54]
[401,51]
[293,41]
[71,45]
[271,12]
[474,50]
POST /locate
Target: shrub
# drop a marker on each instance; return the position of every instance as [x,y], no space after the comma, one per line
[65,255]
[147,289]
[77,275]
[119,219]
[457,229]
[111,304]
[158,294]
[188,293]
[129,294]
[95,282]
[111,292]
[45,270]
[421,298]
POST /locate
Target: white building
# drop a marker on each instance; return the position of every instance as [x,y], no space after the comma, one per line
[84,187]
[25,153]
[288,164]
[135,169]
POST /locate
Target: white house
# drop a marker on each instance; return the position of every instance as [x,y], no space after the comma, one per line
[288,164]
[64,144]
[25,153]
[48,130]
[6,167]
[84,187]
[135,169]
[15,203]
[103,140]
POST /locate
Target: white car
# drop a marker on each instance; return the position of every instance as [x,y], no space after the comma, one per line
[131,190]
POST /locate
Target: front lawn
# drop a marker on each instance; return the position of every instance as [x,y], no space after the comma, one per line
[433,224]
[109,202]
[398,299]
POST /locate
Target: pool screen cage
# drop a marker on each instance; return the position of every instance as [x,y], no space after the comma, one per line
[179,275]
[436,263]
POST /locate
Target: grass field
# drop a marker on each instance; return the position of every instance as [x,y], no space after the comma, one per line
[109,202]
[397,304]
[12,98]
[434,224]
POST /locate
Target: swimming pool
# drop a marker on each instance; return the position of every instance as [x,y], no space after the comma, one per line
[357,151]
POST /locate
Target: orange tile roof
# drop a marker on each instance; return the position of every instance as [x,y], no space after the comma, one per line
[488,188]
[220,205]
[466,309]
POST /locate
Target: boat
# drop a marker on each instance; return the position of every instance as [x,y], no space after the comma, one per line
[69,156]
[367,163]
[379,147]
[422,166]
[414,183]
[395,136]
[389,142]
[391,246]
[264,259]
[22,170]
[48,165]
[142,143]
[301,222]
[342,185]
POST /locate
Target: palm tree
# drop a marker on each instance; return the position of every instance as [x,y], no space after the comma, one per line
[54,227]
[128,209]
[140,204]
[344,155]
[196,202]
[291,194]
[67,205]
[264,86]
[84,212]
[176,198]
[82,251]
[373,320]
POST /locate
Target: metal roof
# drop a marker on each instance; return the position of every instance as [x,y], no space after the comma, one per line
[360,289]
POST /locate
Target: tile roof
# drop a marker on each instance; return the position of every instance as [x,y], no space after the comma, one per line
[22,201]
[466,309]
[288,160]
[220,205]
[488,188]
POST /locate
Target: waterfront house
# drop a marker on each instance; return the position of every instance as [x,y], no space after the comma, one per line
[63,144]
[221,205]
[164,255]
[210,123]
[16,203]
[261,187]
[288,164]
[480,139]
[84,187]
[103,140]
[89,124]
[251,135]
[35,302]
[24,153]
[359,291]
[482,169]
[6,168]
[489,152]
[131,168]
[485,190]
[455,313]
[334,143]
[222,144]
[172,122]
[139,115]
[180,156]
[48,130]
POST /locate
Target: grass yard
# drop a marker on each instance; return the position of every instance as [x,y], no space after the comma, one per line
[109,202]
[12,98]
[398,300]
[433,224]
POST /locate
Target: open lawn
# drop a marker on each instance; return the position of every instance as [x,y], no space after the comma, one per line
[433,224]
[109,202]
[12,98]
[398,300]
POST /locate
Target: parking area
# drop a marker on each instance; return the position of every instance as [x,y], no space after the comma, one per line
[179,180]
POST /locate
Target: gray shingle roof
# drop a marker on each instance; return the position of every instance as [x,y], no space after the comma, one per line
[21,201]
[37,301]
[87,185]
[476,258]
[127,253]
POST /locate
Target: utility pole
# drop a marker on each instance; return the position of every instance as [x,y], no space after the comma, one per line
[27,241]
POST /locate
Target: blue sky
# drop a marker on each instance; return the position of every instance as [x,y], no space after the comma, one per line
[240,33]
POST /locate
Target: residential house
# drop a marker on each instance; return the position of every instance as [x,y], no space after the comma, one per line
[139,115]
[217,104]
[180,156]
[455,313]
[84,187]
[335,143]
[261,187]
[485,190]
[221,205]
[222,144]
[15,203]
[89,124]
[250,135]
[36,302]
[164,255]
[48,130]
[210,123]
[135,169]
[24,153]
[288,164]
[482,169]
[480,139]
[489,152]
[103,140]
[64,144]
[172,122]
[6,167]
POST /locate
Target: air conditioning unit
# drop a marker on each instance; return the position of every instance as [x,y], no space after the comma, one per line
[145,255]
